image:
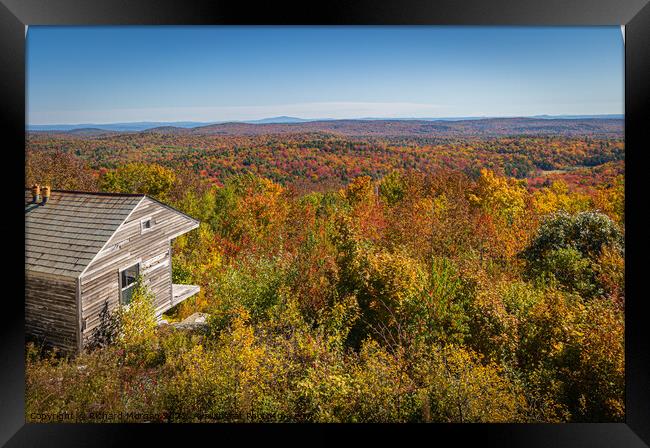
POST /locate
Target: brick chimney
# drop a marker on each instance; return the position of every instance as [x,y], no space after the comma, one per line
[46,194]
[36,193]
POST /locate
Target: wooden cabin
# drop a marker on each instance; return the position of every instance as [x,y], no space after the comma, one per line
[83,251]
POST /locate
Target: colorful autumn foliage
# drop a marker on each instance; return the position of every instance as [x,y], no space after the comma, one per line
[331,159]
[441,295]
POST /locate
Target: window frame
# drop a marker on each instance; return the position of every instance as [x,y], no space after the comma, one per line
[121,287]
[144,230]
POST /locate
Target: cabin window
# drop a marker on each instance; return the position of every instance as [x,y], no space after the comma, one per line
[146,225]
[128,277]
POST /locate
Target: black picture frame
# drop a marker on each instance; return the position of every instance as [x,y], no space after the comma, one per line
[634,14]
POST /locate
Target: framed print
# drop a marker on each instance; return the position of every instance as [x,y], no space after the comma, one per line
[370,219]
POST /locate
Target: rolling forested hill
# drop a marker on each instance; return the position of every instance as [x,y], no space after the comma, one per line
[325,154]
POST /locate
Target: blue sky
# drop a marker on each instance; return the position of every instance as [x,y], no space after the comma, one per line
[125,74]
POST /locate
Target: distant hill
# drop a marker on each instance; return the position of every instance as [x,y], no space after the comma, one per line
[573,117]
[282,119]
[148,125]
[118,127]
[486,127]
[91,132]
[421,128]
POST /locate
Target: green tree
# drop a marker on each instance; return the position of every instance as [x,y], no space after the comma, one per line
[567,248]
[439,313]
[392,188]
[137,335]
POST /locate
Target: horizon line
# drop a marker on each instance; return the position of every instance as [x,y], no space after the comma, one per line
[265,120]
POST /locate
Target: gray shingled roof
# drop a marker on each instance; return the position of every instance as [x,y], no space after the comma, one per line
[64,235]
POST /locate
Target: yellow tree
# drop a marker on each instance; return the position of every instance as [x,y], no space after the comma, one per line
[503,201]
[137,177]
[611,199]
[558,197]
[366,211]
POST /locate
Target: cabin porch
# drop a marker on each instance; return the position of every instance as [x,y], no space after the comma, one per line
[182,292]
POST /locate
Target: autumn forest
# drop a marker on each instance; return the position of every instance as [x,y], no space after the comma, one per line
[361,271]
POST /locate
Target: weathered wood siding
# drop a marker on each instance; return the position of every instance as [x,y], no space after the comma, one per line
[128,246]
[51,310]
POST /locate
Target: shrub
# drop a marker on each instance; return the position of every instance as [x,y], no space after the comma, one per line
[587,232]
[592,364]
[568,267]
[93,387]
[137,336]
[439,313]
[567,247]
[383,389]
[325,393]
[458,387]
[255,286]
